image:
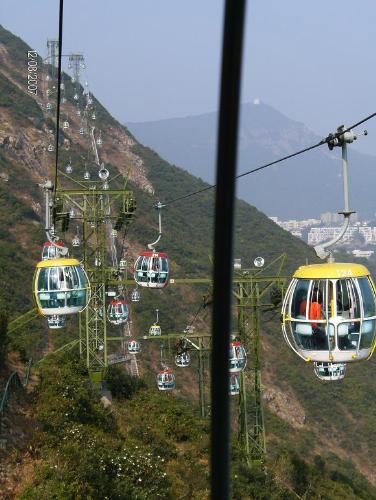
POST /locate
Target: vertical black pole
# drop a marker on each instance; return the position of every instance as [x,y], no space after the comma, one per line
[224,215]
[61,16]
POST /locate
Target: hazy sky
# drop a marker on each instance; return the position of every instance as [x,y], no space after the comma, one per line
[149,59]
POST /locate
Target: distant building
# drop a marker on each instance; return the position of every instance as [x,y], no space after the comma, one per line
[329,218]
[366,254]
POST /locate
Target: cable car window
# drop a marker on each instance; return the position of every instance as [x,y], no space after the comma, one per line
[75,278]
[164,265]
[68,278]
[144,264]
[299,303]
[368,297]
[43,280]
[318,300]
[367,334]
[54,279]
[348,335]
[313,336]
[348,304]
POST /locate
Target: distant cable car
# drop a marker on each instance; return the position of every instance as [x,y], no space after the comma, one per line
[329,313]
[183,360]
[60,287]
[55,322]
[234,388]
[329,371]
[50,251]
[151,269]
[166,380]
[118,312]
[135,295]
[134,346]
[237,357]
[155,330]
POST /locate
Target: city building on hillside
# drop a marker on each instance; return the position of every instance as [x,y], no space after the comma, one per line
[366,234]
[330,218]
[366,254]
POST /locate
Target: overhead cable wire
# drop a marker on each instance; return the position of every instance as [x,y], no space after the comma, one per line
[61,15]
[274,162]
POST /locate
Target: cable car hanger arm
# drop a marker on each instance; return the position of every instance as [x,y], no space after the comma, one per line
[341,138]
[159,207]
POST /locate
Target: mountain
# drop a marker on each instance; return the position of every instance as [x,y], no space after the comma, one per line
[302,187]
[319,436]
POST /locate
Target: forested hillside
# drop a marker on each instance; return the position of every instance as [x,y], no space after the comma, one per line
[148,445]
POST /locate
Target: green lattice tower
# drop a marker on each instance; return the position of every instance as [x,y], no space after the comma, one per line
[97,209]
[252,293]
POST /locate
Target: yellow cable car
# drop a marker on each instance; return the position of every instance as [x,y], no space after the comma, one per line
[60,287]
[329,313]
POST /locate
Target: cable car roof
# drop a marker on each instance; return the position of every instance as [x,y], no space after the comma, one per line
[148,253]
[118,301]
[331,270]
[58,263]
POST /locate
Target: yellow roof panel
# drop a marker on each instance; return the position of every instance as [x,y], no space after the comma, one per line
[332,270]
[58,263]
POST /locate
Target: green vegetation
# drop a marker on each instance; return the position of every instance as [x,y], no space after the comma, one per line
[86,451]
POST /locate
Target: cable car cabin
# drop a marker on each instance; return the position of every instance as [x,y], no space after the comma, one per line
[60,287]
[155,330]
[166,380]
[134,346]
[151,269]
[234,388]
[330,371]
[183,360]
[237,357]
[135,296]
[118,312]
[329,313]
[55,322]
[50,251]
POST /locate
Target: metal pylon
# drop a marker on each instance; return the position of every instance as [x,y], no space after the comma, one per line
[95,208]
[252,293]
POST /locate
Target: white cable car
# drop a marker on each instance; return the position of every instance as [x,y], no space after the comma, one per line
[118,312]
[237,357]
[134,346]
[234,388]
[60,287]
[151,269]
[50,251]
[183,360]
[329,313]
[135,295]
[55,322]
[329,371]
[166,380]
